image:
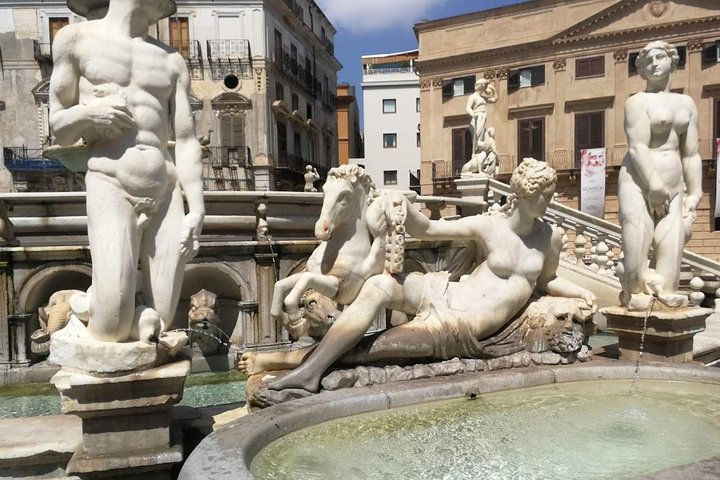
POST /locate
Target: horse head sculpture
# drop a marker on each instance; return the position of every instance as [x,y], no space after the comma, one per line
[346,195]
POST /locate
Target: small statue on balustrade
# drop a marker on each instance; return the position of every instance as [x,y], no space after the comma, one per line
[311,176]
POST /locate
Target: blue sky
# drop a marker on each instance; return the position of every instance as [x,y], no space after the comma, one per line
[366,27]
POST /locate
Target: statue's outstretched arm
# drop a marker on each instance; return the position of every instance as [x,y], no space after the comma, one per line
[188,159]
[548,282]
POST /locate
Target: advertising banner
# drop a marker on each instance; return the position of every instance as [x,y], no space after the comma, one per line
[592,181]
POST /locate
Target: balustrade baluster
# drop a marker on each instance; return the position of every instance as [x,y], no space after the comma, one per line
[697,296]
[580,242]
[602,249]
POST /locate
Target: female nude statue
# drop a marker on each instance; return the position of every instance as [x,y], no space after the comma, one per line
[477,109]
[450,317]
[659,184]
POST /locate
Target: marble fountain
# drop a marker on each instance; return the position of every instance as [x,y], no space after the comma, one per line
[507,391]
[505,321]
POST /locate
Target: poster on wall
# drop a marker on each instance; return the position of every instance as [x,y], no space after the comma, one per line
[717,180]
[592,181]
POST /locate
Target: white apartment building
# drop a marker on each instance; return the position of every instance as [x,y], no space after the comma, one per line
[263,87]
[391,108]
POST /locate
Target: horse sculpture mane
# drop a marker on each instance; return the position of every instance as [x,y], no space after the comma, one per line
[392,205]
[354,174]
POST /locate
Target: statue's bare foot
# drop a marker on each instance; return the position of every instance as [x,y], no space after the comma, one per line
[298,378]
[639,301]
[674,300]
[246,364]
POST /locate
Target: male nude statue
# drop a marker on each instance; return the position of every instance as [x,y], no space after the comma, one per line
[116,87]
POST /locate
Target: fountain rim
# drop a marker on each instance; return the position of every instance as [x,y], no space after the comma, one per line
[228,452]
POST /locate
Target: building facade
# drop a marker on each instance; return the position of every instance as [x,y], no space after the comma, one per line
[350,142]
[563,71]
[391,119]
[263,83]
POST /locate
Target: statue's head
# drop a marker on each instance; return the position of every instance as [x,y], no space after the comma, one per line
[531,178]
[94,9]
[491,131]
[481,83]
[645,56]
[308,168]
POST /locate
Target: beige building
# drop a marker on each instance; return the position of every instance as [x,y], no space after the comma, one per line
[563,70]
[263,79]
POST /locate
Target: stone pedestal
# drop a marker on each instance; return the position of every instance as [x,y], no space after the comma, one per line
[473,188]
[669,335]
[125,420]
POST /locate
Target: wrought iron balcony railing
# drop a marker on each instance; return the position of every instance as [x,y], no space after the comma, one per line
[229,57]
[42,51]
[294,70]
[189,49]
[228,169]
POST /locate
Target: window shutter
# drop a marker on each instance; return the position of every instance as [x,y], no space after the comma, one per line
[631,63]
[581,67]
[710,53]
[469,84]
[447,88]
[538,75]
[682,53]
[231,131]
[513,80]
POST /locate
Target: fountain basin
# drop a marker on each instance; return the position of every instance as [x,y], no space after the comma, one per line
[229,452]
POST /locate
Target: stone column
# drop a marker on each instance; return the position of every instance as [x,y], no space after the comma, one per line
[244,331]
[6,302]
[19,338]
[265,258]
[264,173]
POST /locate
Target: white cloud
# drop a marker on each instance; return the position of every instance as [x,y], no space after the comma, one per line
[359,16]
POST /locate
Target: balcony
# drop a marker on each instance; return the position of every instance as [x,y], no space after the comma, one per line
[297,164]
[42,52]
[329,101]
[229,56]
[296,9]
[329,45]
[192,53]
[295,71]
[227,169]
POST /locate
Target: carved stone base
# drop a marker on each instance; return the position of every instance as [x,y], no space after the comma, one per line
[669,336]
[473,188]
[125,420]
[73,347]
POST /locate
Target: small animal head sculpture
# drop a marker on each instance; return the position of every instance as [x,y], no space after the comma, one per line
[204,322]
[53,317]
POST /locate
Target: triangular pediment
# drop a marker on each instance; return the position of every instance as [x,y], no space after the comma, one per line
[628,15]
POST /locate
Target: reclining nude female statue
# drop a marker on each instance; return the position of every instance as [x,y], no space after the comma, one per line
[660,181]
[451,318]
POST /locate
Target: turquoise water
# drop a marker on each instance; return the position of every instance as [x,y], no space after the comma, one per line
[585,430]
[201,390]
